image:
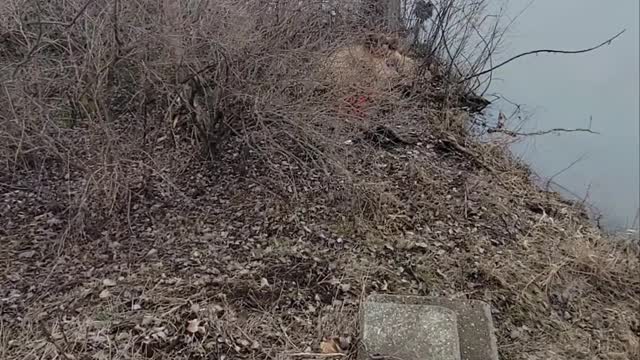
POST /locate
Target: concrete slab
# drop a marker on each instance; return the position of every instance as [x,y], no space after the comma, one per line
[475,324]
[392,330]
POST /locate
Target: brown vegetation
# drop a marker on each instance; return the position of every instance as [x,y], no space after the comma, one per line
[375,64]
[176,181]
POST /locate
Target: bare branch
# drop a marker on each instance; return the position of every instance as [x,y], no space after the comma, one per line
[550,180]
[607,42]
[65,24]
[542,132]
[35,46]
[49,338]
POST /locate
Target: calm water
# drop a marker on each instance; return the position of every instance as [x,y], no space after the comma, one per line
[569,90]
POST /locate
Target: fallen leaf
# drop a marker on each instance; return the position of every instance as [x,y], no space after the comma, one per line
[147,320]
[193,326]
[195,308]
[123,336]
[101,355]
[104,294]
[159,334]
[330,346]
[108,282]
[216,308]
[152,252]
[27,254]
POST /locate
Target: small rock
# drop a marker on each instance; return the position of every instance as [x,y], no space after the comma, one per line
[108,283]
[104,294]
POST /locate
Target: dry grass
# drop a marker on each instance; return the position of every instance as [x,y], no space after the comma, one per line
[164,162]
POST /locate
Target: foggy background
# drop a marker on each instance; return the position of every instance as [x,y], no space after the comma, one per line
[567,90]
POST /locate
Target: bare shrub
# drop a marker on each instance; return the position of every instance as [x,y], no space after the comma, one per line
[96,88]
[463,35]
[111,93]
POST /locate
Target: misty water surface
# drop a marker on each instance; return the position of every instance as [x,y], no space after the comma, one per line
[569,90]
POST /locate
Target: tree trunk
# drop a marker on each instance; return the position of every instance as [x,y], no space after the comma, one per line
[172,33]
[382,14]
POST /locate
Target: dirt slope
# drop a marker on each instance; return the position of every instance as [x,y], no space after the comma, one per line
[235,206]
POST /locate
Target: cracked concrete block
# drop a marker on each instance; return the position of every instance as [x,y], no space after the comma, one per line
[474,323]
[392,330]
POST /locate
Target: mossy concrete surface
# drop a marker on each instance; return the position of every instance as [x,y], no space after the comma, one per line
[415,327]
